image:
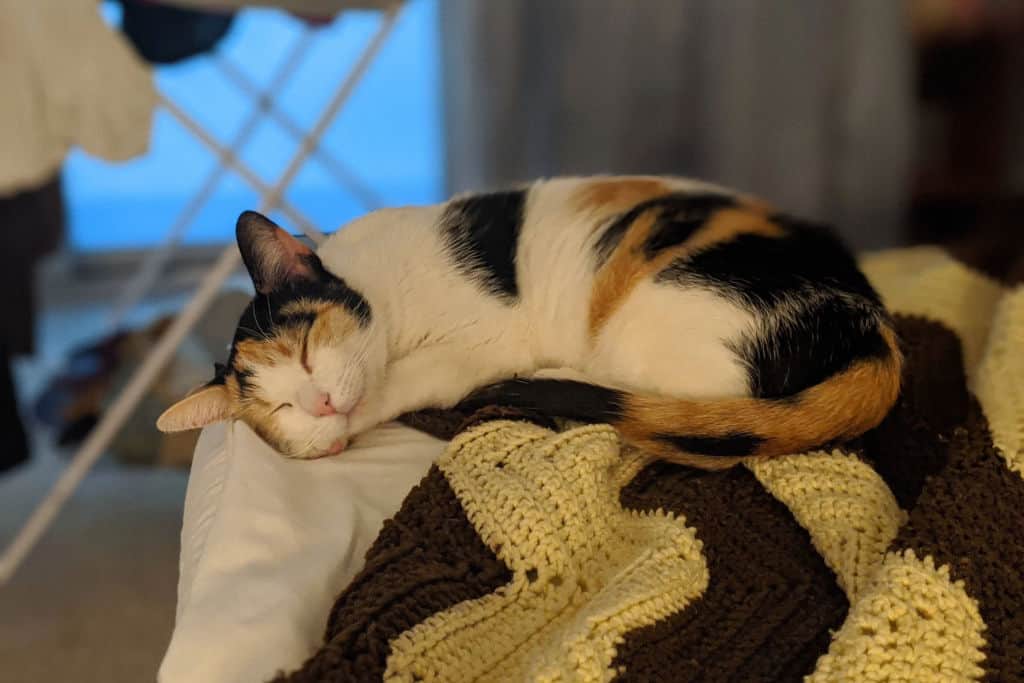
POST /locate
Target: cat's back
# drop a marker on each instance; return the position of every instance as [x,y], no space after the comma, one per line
[570,224]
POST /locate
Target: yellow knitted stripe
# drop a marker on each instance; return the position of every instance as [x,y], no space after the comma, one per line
[631,458]
[940,288]
[999,384]
[585,571]
[911,624]
[988,318]
[902,262]
[845,506]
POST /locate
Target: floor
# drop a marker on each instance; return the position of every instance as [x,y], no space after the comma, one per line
[95,599]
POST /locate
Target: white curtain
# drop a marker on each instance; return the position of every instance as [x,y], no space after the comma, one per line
[807,103]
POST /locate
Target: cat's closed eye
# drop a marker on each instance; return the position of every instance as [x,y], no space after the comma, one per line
[283,405]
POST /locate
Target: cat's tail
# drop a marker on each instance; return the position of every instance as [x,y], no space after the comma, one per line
[718,433]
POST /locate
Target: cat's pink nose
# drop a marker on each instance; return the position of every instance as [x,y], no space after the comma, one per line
[322,405]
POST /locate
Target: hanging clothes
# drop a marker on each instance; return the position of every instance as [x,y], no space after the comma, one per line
[13,441]
[166,35]
[31,226]
[68,80]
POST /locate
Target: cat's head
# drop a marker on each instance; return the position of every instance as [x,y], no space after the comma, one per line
[302,356]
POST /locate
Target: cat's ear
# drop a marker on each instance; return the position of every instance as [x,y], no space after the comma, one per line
[272,256]
[200,408]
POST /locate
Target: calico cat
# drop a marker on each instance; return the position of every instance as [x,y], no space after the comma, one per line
[704,325]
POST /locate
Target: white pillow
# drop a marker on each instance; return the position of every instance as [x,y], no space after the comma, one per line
[267,544]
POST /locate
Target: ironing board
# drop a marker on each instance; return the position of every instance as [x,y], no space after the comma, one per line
[271,198]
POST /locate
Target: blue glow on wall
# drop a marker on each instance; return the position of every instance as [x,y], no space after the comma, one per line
[389,133]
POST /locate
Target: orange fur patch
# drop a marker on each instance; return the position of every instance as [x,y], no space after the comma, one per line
[250,354]
[840,408]
[253,352]
[727,224]
[333,322]
[299,306]
[628,265]
[258,415]
[609,196]
[332,325]
[621,272]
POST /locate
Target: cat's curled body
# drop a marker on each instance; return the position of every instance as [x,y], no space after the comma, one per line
[704,325]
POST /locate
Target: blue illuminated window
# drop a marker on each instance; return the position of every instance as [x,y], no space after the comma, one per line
[389,133]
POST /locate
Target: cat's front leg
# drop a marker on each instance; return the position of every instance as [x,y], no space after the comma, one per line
[432,377]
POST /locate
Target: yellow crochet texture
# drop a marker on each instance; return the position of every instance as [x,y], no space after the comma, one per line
[999,383]
[925,281]
[988,318]
[912,625]
[849,512]
[909,621]
[585,571]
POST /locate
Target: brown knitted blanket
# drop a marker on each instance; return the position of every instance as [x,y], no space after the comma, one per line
[536,551]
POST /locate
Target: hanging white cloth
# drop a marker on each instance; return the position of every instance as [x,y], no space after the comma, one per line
[68,79]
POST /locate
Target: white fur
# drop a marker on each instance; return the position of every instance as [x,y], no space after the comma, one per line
[308,435]
[674,342]
[436,336]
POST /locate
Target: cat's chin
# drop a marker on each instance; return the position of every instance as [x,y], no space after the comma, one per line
[337,447]
[334,449]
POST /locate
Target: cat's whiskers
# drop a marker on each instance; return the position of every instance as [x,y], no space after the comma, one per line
[356,361]
[310,442]
[252,332]
[256,319]
[363,350]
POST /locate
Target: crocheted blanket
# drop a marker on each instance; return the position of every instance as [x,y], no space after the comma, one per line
[536,552]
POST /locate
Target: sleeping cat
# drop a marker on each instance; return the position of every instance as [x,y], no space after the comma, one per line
[701,323]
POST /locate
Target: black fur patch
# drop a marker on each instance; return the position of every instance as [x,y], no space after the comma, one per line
[244,379]
[555,397]
[679,216]
[824,339]
[734,445]
[220,371]
[330,287]
[612,236]
[761,271]
[273,272]
[258,320]
[826,314]
[481,234]
[263,315]
[302,319]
